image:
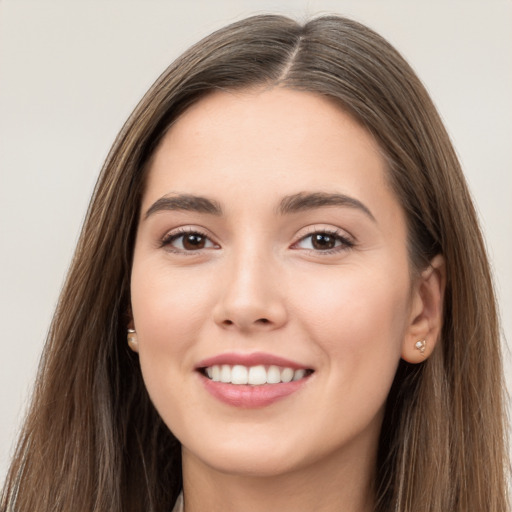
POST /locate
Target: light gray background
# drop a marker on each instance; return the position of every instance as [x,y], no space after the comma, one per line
[72,71]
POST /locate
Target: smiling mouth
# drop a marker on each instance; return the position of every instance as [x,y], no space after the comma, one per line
[253,375]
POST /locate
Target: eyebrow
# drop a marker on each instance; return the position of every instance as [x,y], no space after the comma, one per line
[186,202]
[290,204]
[311,200]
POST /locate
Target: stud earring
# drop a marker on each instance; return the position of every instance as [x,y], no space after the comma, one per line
[132,340]
[421,345]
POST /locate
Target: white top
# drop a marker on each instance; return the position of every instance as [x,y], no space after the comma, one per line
[178,507]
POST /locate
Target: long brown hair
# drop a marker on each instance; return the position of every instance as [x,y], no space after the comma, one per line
[92,439]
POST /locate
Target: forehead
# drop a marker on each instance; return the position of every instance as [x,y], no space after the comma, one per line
[267,142]
[268,118]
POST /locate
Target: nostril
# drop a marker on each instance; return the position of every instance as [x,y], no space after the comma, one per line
[228,322]
[262,321]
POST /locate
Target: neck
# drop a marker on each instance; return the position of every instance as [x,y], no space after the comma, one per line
[336,483]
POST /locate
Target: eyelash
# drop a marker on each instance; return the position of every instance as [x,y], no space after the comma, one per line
[345,242]
[169,238]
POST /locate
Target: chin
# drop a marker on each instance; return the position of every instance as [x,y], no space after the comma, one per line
[257,464]
[243,457]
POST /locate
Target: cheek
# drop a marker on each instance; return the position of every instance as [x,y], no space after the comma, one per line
[170,310]
[166,311]
[357,317]
[167,307]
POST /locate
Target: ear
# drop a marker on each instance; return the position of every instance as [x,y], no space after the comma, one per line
[426,317]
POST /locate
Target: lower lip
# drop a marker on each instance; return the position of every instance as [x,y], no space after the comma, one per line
[251,397]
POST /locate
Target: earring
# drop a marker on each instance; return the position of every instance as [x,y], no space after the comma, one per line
[132,340]
[421,345]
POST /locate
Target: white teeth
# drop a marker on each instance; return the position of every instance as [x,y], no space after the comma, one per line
[239,375]
[257,375]
[225,373]
[286,374]
[299,374]
[273,375]
[253,375]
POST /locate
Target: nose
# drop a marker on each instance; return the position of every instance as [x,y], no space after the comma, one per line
[252,298]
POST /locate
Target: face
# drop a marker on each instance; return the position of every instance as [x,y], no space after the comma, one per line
[271,291]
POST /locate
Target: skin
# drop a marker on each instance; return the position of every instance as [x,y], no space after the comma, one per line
[258,284]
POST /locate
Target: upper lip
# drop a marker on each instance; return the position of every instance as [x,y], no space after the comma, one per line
[253,359]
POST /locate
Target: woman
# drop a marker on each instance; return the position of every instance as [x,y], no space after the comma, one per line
[283,237]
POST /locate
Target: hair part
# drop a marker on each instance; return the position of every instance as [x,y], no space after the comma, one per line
[93,440]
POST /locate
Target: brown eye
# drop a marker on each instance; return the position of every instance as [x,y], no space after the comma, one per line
[193,241]
[323,241]
[188,242]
